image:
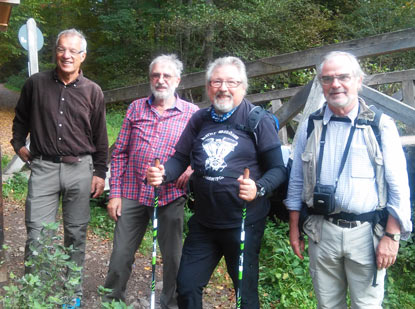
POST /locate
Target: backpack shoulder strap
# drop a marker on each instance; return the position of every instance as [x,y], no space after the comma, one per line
[374,124]
[317,115]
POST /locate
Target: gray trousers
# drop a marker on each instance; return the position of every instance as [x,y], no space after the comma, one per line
[48,183]
[129,231]
[344,260]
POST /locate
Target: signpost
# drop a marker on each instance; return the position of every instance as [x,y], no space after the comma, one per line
[31,39]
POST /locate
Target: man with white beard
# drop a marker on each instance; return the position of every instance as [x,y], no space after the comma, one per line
[150,130]
[349,189]
[219,149]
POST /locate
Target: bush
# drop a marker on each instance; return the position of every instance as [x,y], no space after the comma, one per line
[53,278]
[15,187]
[284,280]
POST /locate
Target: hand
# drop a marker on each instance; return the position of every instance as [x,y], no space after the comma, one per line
[184,178]
[386,252]
[247,189]
[25,154]
[155,175]
[114,208]
[97,186]
[296,240]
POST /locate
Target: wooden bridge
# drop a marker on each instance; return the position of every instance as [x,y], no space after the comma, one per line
[362,48]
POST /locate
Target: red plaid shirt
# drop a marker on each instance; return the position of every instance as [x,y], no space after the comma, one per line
[144,136]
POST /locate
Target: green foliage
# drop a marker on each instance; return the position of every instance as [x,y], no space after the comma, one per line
[115,117]
[4,161]
[114,304]
[101,224]
[284,280]
[400,285]
[53,278]
[15,187]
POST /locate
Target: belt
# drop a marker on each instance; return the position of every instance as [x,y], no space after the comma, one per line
[343,223]
[60,159]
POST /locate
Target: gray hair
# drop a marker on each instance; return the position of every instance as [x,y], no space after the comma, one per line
[73,32]
[228,61]
[356,69]
[171,58]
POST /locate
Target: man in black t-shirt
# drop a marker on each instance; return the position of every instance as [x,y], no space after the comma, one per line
[219,149]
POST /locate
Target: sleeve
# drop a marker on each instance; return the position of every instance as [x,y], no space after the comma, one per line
[275,173]
[119,157]
[175,166]
[269,152]
[100,137]
[21,121]
[396,177]
[295,184]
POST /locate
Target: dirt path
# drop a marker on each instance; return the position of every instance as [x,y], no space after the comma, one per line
[8,100]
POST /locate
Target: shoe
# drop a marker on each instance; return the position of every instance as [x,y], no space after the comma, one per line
[75,303]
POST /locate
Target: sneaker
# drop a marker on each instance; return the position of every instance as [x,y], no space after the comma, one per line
[75,303]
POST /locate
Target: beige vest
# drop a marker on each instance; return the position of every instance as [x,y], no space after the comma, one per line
[310,159]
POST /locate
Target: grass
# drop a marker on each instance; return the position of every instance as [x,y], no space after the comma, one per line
[115,116]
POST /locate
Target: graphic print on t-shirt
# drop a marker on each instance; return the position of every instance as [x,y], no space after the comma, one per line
[217,149]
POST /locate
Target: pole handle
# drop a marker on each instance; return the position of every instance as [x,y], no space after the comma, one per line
[246,173]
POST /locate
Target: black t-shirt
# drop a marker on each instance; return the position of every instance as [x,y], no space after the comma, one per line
[221,148]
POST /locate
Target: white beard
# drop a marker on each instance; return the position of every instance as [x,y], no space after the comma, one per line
[162,95]
[223,106]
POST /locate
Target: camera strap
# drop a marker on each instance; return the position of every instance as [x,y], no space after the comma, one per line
[345,153]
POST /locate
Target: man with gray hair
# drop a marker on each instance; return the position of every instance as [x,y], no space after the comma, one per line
[64,112]
[219,148]
[151,129]
[349,189]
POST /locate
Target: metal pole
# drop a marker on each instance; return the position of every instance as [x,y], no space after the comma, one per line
[33,65]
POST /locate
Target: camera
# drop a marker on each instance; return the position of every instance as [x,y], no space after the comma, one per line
[323,199]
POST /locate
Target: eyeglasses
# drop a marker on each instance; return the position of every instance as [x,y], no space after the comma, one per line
[73,52]
[342,78]
[228,83]
[157,76]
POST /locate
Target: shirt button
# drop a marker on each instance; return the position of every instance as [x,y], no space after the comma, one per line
[60,124]
[59,138]
[63,99]
[61,112]
[74,85]
[64,86]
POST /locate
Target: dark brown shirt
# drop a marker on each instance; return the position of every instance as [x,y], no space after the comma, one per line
[62,119]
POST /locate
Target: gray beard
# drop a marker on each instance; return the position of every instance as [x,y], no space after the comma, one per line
[220,108]
[162,95]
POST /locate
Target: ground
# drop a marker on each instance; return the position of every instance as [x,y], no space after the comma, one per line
[217,295]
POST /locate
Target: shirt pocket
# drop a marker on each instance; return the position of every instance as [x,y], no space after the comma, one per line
[361,165]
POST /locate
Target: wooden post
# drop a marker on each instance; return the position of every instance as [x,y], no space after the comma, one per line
[408,92]
[3,268]
[282,134]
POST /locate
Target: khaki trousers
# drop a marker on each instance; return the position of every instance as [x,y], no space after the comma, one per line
[345,259]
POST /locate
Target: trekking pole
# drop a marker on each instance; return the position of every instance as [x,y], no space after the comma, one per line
[154,255]
[242,246]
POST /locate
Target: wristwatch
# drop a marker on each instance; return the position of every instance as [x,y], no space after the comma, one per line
[260,190]
[395,237]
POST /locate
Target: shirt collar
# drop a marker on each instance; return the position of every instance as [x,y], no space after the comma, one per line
[78,79]
[178,104]
[352,115]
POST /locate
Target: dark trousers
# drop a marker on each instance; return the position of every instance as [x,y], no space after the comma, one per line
[202,251]
[128,234]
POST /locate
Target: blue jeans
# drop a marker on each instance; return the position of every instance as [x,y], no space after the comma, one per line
[202,251]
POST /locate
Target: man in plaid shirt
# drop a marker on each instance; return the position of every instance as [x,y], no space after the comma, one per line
[151,129]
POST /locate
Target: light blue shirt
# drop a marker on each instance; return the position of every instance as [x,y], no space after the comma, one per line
[356,190]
